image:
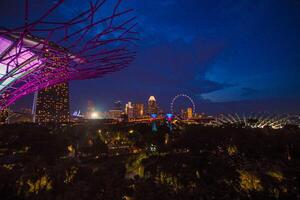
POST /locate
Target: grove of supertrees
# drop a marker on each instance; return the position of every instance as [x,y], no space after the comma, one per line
[51,49]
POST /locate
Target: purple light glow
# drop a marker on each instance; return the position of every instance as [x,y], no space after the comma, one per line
[4,44]
[28,63]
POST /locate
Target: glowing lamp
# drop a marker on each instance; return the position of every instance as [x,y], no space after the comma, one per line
[94,115]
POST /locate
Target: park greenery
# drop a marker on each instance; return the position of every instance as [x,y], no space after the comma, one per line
[130,161]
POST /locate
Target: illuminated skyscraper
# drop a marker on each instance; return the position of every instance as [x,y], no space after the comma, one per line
[129,110]
[152,106]
[138,110]
[52,104]
[114,114]
[117,105]
[189,113]
[183,114]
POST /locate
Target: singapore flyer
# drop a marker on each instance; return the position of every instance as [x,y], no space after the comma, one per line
[182,96]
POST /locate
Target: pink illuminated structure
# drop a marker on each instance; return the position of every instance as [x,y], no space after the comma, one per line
[43,53]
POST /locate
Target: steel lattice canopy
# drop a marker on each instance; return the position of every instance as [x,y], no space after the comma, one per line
[63,51]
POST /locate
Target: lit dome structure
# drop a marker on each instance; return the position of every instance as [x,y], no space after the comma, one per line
[260,120]
[151,98]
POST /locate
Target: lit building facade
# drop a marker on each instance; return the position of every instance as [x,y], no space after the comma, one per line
[51,105]
[129,110]
[138,110]
[90,110]
[118,105]
[152,105]
[115,114]
[189,113]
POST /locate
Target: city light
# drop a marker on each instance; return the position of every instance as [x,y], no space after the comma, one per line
[35,57]
[259,120]
[169,117]
[186,97]
[95,115]
[208,109]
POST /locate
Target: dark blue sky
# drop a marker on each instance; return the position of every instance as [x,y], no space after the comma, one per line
[229,55]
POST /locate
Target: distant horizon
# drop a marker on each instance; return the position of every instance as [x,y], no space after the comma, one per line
[228,56]
[213,86]
[210,108]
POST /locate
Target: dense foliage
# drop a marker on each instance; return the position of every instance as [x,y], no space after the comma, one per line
[191,162]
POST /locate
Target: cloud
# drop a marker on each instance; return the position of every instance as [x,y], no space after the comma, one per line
[218,50]
[248,92]
[270,105]
[162,70]
[178,65]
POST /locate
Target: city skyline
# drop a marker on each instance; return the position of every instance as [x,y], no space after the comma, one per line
[229,56]
[235,57]
[211,108]
[153,99]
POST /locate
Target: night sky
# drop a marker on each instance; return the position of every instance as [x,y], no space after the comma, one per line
[228,55]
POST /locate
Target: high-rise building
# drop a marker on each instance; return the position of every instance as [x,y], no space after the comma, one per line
[129,110]
[114,114]
[189,113]
[183,114]
[127,106]
[117,105]
[152,106]
[52,104]
[138,110]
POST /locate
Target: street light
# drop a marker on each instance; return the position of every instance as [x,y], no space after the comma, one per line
[94,115]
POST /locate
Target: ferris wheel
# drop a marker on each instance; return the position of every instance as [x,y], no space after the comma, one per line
[184,96]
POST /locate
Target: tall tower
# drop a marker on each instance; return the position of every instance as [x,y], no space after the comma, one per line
[52,104]
[152,106]
[189,113]
[118,105]
[129,110]
[138,110]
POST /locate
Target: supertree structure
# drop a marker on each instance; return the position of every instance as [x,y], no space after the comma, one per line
[44,52]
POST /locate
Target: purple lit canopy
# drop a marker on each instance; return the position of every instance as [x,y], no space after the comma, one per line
[45,52]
